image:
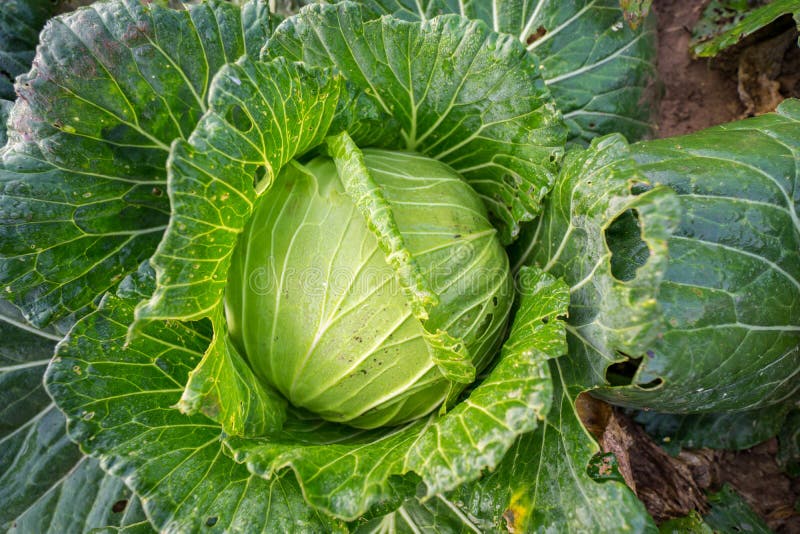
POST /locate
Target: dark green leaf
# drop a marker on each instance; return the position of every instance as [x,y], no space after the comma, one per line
[595,188]
[731,295]
[46,483]
[690,524]
[729,513]
[5,110]
[459,92]
[597,68]
[437,515]
[718,16]
[731,430]
[548,478]
[695,295]
[118,398]
[20,23]
[82,180]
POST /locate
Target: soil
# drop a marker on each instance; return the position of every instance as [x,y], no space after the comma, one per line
[751,78]
[695,96]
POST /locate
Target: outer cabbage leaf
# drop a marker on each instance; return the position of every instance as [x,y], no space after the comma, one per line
[692,523]
[597,68]
[443,450]
[596,187]
[727,430]
[459,93]
[731,294]
[46,483]
[119,397]
[730,513]
[82,179]
[438,514]
[545,480]
[703,46]
[710,305]
[718,16]
[5,110]
[542,485]
[20,23]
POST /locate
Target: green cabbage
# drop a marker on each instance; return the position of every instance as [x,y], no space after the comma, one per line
[316,307]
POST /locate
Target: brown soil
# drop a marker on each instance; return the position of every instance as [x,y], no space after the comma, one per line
[748,79]
[695,95]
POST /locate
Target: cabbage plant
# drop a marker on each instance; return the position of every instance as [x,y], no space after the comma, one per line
[340,271]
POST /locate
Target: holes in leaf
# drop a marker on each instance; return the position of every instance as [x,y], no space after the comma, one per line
[211,521]
[604,467]
[622,373]
[637,188]
[628,250]
[258,175]
[653,384]
[119,506]
[237,118]
[540,32]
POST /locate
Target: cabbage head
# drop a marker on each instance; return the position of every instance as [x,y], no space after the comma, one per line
[317,308]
